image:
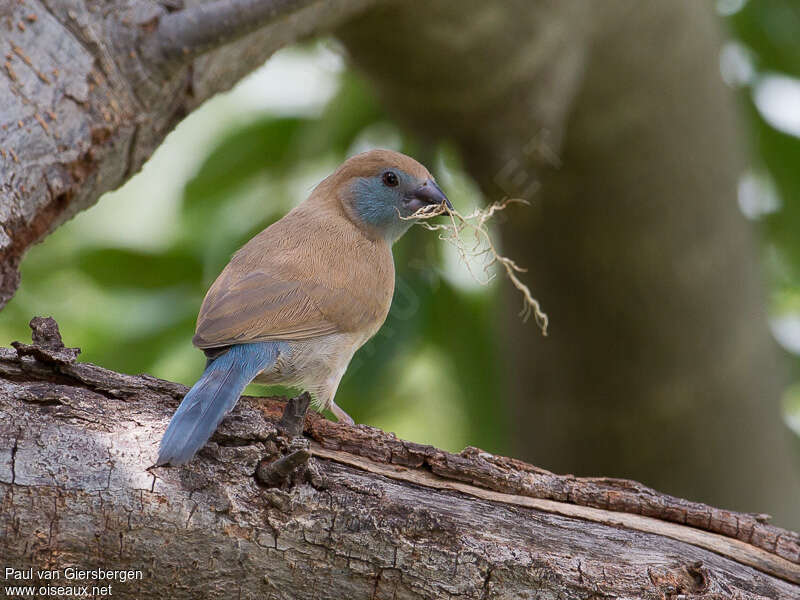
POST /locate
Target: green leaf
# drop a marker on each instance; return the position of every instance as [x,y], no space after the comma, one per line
[266,144]
[115,268]
[770,28]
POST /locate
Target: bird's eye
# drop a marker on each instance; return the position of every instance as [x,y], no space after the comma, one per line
[390,179]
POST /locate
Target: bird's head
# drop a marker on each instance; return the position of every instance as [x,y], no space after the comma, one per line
[380,189]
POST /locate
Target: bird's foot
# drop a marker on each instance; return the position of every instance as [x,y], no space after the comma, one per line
[340,415]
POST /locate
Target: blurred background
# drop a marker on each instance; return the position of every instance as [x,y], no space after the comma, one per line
[125,279]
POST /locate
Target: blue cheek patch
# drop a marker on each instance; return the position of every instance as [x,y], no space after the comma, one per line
[375,203]
[379,206]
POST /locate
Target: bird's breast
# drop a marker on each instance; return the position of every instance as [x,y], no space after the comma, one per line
[360,288]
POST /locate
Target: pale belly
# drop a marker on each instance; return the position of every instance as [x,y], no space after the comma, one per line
[315,365]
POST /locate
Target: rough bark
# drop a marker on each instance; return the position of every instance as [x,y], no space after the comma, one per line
[364,515]
[613,119]
[89,89]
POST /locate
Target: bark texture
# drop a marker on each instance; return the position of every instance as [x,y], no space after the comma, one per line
[87,93]
[613,119]
[365,515]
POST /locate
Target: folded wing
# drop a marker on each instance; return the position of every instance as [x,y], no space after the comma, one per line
[291,282]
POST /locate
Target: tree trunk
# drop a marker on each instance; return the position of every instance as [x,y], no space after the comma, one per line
[661,366]
[613,119]
[366,516]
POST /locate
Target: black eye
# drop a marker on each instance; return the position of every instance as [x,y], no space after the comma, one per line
[390,179]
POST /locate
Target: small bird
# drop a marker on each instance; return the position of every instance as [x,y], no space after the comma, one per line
[296,302]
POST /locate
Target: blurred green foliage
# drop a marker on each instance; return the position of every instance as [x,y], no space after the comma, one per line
[770,30]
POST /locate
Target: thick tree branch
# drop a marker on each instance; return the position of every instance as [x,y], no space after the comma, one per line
[743,552]
[181,36]
[342,512]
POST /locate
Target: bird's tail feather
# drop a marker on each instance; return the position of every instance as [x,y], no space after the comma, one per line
[211,398]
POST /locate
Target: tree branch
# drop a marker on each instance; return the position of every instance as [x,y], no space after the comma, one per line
[349,510]
[743,552]
[181,36]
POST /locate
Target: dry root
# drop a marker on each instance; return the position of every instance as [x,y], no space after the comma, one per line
[482,248]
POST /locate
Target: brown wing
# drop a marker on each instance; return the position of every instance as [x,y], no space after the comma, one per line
[303,277]
[257,307]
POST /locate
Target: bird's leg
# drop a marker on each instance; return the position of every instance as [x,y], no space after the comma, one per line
[340,415]
[329,392]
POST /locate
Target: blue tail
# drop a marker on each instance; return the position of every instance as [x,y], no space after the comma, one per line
[211,398]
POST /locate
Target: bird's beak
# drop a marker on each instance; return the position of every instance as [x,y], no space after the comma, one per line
[429,194]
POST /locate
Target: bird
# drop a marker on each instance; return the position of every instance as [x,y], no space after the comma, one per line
[295,302]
